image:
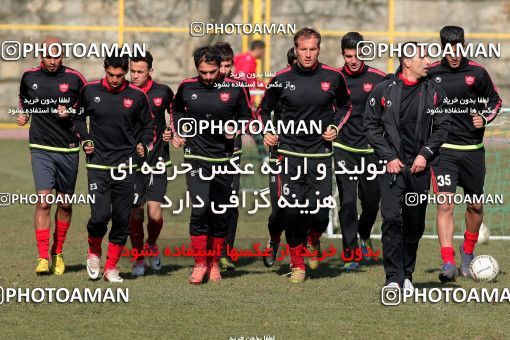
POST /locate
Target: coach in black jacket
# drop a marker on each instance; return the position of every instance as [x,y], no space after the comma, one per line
[405,126]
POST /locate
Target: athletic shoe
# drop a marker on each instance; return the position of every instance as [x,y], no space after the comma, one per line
[214,272]
[112,275]
[466,261]
[93,266]
[365,244]
[297,275]
[448,272]
[139,268]
[43,266]
[226,264]
[197,276]
[313,262]
[57,264]
[408,285]
[155,261]
[351,266]
[392,285]
[272,249]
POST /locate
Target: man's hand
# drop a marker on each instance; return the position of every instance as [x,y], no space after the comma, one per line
[140,150]
[167,135]
[478,121]
[419,164]
[22,119]
[178,141]
[62,111]
[88,147]
[329,135]
[394,166]
[270,139]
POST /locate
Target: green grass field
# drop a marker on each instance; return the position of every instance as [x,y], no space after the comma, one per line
[251,302]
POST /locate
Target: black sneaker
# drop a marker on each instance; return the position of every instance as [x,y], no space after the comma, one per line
[448,273]
[272,250]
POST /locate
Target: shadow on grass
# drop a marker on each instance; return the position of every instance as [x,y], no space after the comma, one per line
[325,269]
[246,261]
[238,273]
[165,270]
[75,268]
[435,284]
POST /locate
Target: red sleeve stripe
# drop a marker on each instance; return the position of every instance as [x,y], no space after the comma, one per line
[150,111]
[86,84]
[494,112]
[257,112]
[70,70]
[33,69]
[474,63]
[189,80]
[342,123]
[379,72]
[229,80]
[326,67]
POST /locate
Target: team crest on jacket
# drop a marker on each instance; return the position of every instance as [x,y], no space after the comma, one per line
[367,87]
[325,85]
[224,96]
[63,87]
[157,101]
[128,103]
[470,80]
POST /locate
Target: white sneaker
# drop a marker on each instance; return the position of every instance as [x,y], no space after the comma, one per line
[392,285]
[93,266]
[408,286]
[155,261]
[112,275]
[139,268]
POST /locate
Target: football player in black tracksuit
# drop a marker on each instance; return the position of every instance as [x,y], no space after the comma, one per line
[351,148]
[310,92]
[276,223]
[150,188]
[462,157]
[405,131]
[214,98]
[227,62]
[121,130]
[47,95]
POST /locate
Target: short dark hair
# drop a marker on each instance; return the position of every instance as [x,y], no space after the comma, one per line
[350,41]
[148,59]
[255,44]
[404,47]
[227,54]
[291,56]
[118,59]
[207,54]
[306,33]
[451,35]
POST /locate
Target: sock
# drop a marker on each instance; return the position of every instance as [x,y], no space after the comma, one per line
[218,244]
[59,236]
[448,255]
[136,235]
[470,240]
[314,236]
[42,236]
[276,238]
[95,245]
[154,229]
[210,248]
[199,244]
[296,257]
[114,252]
